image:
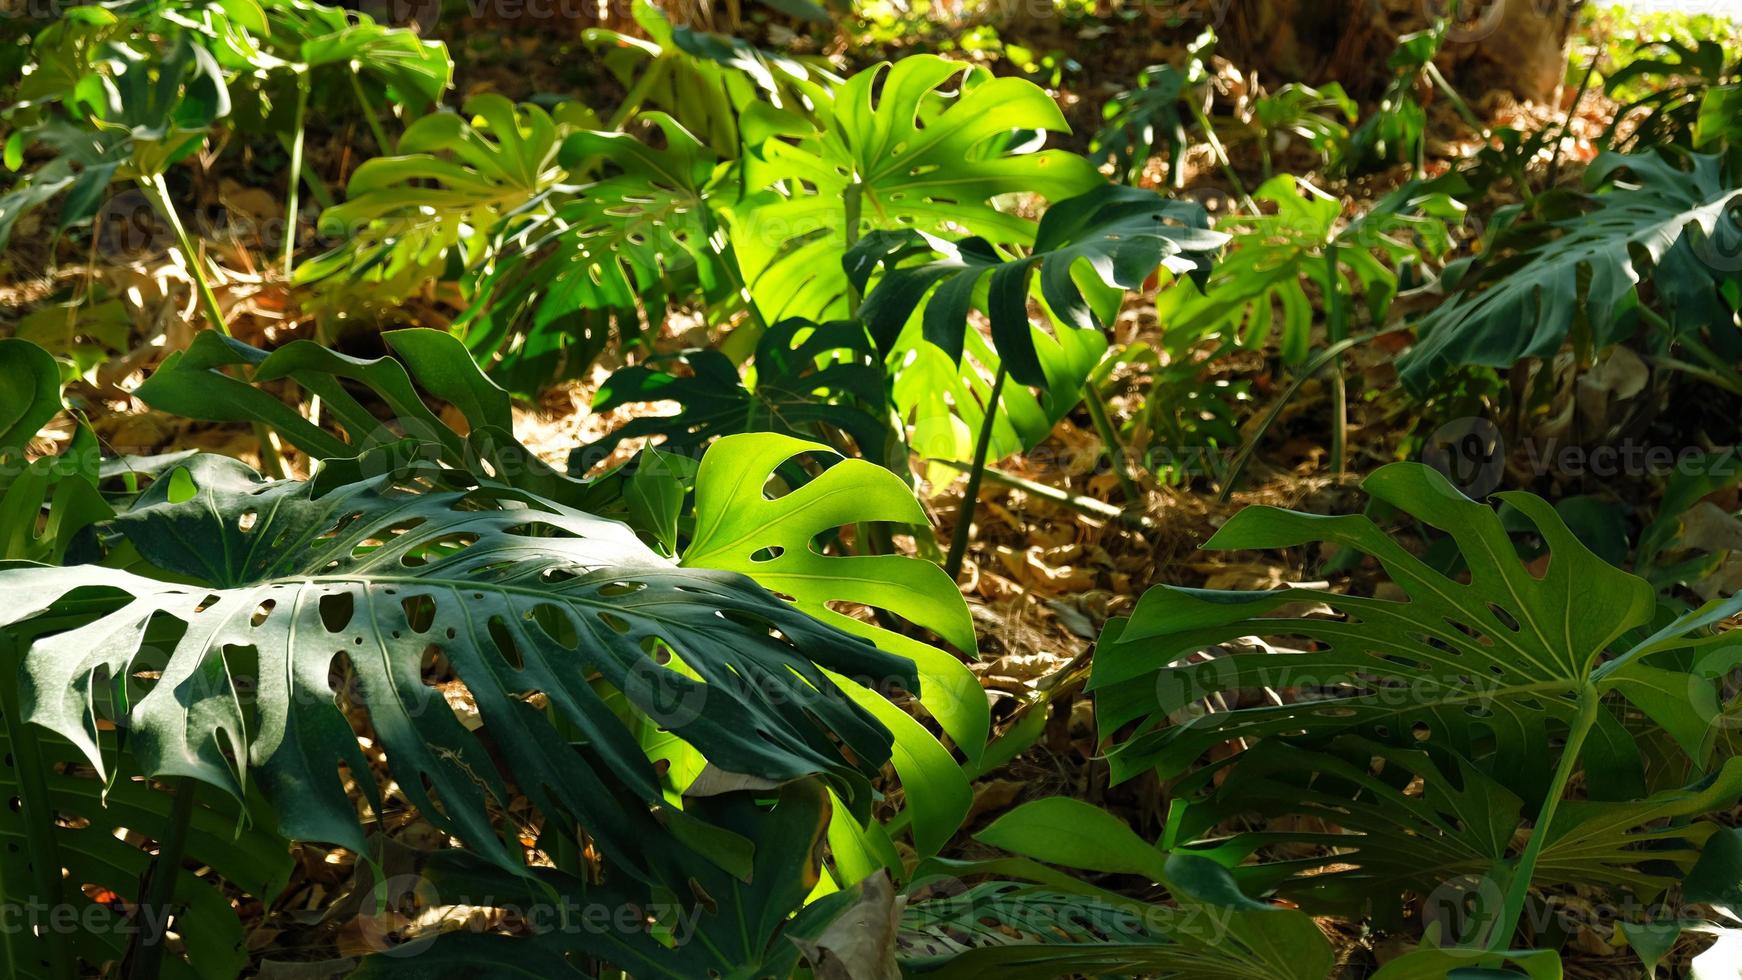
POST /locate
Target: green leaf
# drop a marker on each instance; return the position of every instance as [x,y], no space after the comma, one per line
[1393,821]
[1537,279]
[915,156]
[1469,964]
[1110,240]
[739,528]
[452,179]
[744,927]
[29,394]
[791,395]
[1489,666]
[607,255]
[1061,830]
[519,595]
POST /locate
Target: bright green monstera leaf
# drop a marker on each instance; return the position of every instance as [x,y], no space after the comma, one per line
[451,179]
[1491,666]
[1393,821]
[1671,226]
[221,672]
[1212,931]
[1088,251]
[916,155]
[738,527]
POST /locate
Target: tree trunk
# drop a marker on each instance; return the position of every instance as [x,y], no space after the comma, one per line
[1517,46]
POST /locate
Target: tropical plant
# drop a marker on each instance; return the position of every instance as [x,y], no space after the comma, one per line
[1576,270]
[1489,673]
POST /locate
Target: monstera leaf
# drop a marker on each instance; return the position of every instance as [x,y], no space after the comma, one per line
[609,254]
[1490,667]
[746,928]
[1137,123]
[915,156]
[1414,821]
[790,395]
[1212,930]
[707,81]
[1259,289]
[452,178]
[407,70]
[1538,279]
[62,816]
[1117,235]
[738,528]
[221,670]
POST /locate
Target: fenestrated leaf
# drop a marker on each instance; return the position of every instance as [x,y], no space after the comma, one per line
[745,928]
[607,254]
[1539,278]
[1400,821]
[740,529]
[519,595]
[1088,250]
[791,394]
[82,818]
[1490,667]
[1212,929]
[1258,290]
[916,156]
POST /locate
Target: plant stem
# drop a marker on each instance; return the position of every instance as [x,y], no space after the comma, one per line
[146,955]
[1518,889]
[637,94]
[1451,94]
[1110,443]
[289,255]
[1312,367]
[382,145]
[971,494]
[36,810]
[1336,329]
[1221,155]
[1076,501]
[1554,162]
[851,202]
[157,190]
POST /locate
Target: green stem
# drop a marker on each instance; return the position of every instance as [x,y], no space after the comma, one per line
[1221,155]
[1337,329]
[1451,94]
[1110,442]
[1312,367]
[36,810]
[290,196]
[1064,498]
[1518,890]
[382,146]
[851,202]
[146,954]
[637,94]
[971,494]
[1554,162]
[157,190]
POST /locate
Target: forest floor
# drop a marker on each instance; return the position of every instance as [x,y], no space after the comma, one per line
[1041,577]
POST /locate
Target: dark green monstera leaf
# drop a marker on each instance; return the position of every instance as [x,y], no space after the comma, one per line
[1088,250]
[1672,227]
[1391,821]
[745,928]
[1493,665]
[220,662]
